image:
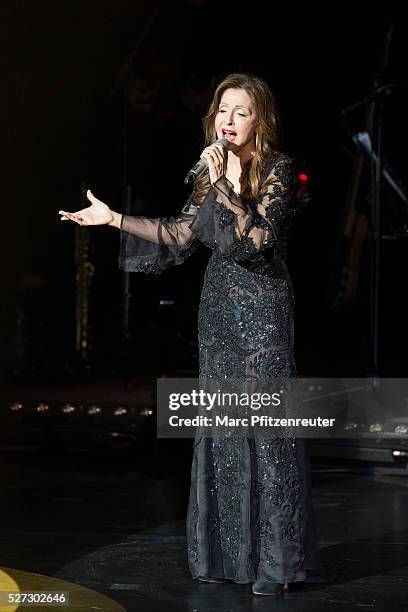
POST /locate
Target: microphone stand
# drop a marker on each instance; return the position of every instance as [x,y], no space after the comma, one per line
[375,158]
[383,90]
[375,237]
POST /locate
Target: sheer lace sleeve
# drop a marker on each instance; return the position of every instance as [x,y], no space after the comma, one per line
[233,226]
[152,245]
[238,227]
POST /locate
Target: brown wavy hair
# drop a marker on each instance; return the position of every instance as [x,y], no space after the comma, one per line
[269,137]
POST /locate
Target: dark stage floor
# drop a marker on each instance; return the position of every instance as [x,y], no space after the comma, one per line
[113,520]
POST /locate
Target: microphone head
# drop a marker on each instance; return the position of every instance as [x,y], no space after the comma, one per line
[224,142]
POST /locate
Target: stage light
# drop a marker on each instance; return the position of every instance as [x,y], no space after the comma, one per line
[303,177]
[42,408]
[67,409]
[146,412]
[16,406]
[119,411]
[374,427]
[94,410]
[401,429]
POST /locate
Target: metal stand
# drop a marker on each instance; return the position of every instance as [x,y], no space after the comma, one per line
[378,174]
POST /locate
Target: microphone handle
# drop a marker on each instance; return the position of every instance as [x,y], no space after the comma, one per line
[195,171]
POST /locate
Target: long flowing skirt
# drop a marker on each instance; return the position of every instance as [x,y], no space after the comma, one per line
[250,513]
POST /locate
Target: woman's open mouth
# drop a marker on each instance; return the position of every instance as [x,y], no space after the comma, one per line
[229,135]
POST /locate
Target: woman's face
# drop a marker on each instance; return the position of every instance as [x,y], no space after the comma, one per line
[236,119]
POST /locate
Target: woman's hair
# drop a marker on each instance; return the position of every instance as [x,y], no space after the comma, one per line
[269,134]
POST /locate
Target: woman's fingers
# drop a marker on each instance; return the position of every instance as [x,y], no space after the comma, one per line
[211,160]
[214,156]
[216,163]
[221,150]
[66,216]
[218,151]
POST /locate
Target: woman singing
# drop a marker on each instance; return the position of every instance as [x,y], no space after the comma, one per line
[250,516]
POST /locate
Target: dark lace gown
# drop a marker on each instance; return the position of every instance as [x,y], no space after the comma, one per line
[250,515]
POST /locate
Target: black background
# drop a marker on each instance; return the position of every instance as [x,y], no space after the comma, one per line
[66,92]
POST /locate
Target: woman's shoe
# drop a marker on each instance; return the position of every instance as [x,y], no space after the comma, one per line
[265,587]
[215,580]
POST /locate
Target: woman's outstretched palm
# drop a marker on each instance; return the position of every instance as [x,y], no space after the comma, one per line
[96,214]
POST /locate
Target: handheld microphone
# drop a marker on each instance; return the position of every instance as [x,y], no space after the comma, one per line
[201,165]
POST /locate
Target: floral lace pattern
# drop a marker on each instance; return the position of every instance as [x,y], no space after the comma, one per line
[249,515]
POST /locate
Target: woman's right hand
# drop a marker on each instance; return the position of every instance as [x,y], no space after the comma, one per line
[96,214]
